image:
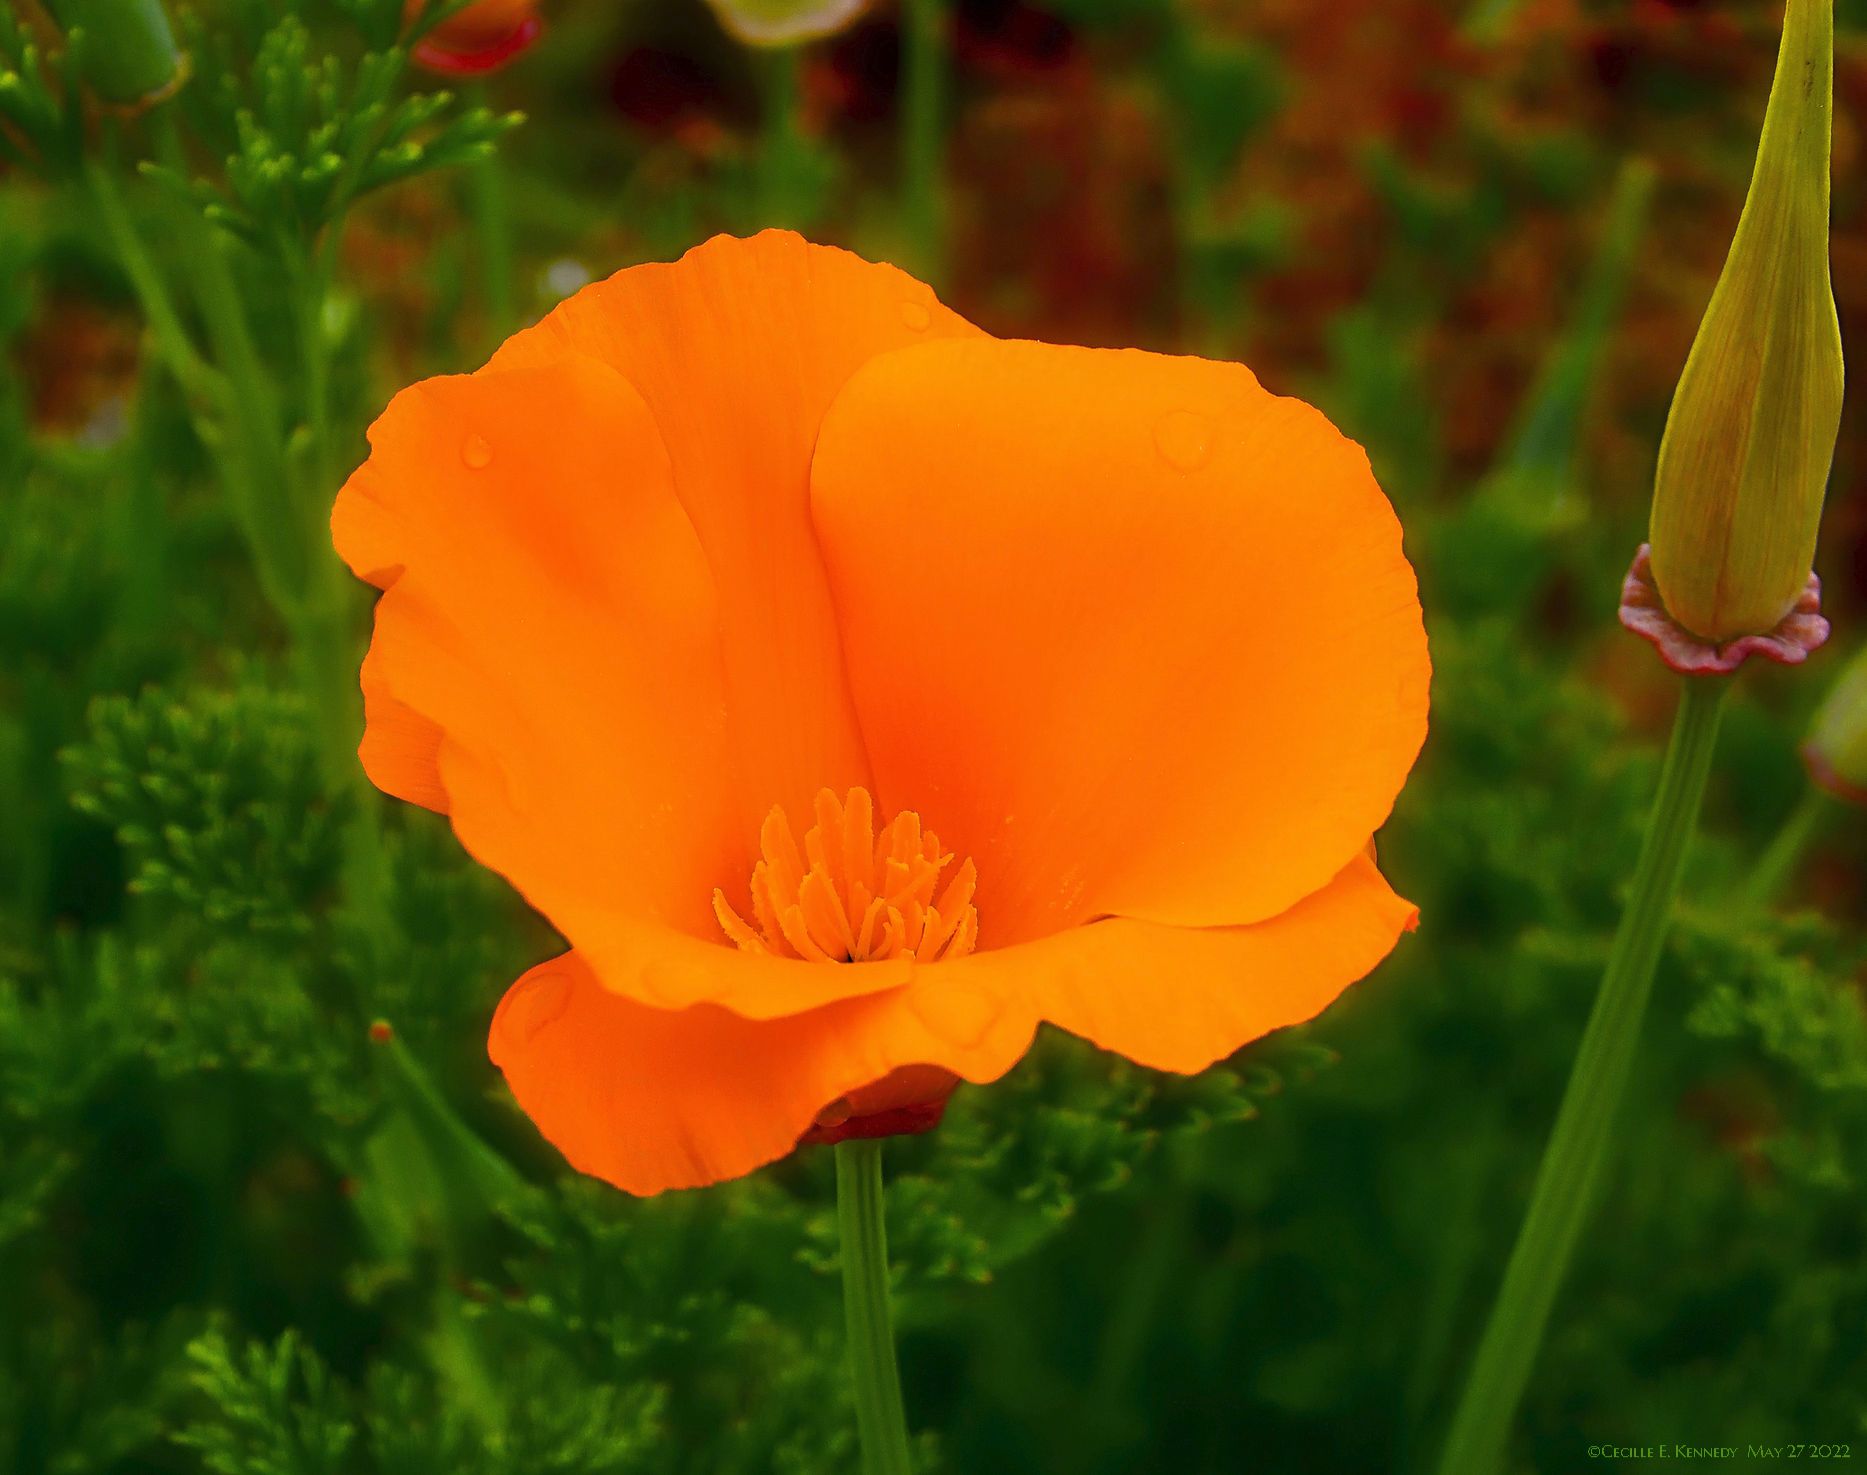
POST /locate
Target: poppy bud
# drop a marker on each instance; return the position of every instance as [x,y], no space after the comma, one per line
[1743,466]
[1836,751]
[129,53]
[784,22]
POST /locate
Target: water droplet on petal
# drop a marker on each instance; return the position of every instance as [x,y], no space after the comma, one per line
[916,316]
[531,1007]
[1184,440]
[957,1013]
[476,452]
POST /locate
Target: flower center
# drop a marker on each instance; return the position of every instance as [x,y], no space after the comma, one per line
[853,896]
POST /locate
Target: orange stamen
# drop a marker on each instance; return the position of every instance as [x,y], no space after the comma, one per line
[849,895]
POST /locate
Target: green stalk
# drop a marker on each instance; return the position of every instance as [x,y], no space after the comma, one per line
[326,651]
[1579,1145]
[781,152]
[1547,432]
[880,1420]
[172,341]
[308,287]
[923,98]
[248,438]
[492,223]
[1783,857]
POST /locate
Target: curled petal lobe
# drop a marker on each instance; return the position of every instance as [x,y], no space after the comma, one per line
[651,1099]
[1131,632]
[738,349]
[401,749]
[546,669]
[541,580]
[1180,998]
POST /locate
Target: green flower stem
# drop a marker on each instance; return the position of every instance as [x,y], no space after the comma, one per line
[328,653]
[880,1420]
[1579,1145]
[1783,857]
[171,339]
[781,187]
[308,288]
[492,223]
[923,100]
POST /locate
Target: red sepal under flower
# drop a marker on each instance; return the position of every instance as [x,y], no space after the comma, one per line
[897,1121]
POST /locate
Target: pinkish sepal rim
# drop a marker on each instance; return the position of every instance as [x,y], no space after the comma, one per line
[1797,635]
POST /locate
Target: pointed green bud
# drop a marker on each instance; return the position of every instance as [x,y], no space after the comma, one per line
[1737,499]
[1837,745]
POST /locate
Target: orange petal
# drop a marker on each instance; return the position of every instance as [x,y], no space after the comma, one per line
[650,1099]
[545,661]
[553,617]
[1179,998]
[1131,632]
[739,348]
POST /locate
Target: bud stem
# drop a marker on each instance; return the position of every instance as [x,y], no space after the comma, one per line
[880,1420]
[1578,1146]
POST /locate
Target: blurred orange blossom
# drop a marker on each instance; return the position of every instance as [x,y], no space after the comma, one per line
[768,544]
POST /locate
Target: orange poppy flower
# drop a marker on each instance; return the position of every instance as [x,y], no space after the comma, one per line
[481,36]
[716,596]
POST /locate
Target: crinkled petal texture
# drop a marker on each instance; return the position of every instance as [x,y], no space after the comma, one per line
[1128,631]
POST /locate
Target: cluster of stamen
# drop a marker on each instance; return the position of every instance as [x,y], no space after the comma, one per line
[851,895]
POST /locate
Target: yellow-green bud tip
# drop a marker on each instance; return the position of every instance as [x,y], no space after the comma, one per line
[1737,499]
[1837,745]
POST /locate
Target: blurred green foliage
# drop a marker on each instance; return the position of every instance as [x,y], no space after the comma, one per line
[240,1235]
